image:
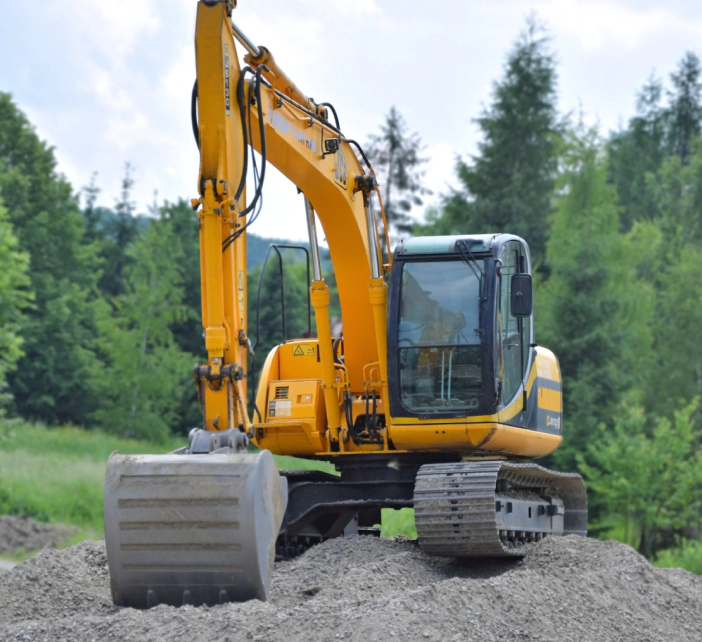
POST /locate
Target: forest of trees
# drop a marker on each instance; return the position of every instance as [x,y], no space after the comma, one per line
[99,322]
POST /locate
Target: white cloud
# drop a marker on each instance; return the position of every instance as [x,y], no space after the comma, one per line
[440,174]
[357,9]
[111,28]
[600,24]
[180,74]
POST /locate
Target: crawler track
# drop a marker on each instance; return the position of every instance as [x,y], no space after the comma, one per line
[492,508]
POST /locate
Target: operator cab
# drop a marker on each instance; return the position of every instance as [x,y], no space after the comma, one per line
[460,325]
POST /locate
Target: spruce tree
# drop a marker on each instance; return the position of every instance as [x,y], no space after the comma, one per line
[119,230]
[635,152]
[397,160]
[674,248]
[685,109]
[507,186]
[184,223]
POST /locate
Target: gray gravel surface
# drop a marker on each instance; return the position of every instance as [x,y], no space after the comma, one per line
[24,534]
[369,589]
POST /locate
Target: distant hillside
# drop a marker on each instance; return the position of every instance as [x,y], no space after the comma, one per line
[257,246]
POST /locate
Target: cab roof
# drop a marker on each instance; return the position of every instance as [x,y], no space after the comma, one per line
[477,243]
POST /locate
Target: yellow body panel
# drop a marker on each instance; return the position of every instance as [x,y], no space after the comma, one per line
[299,360]
[469,438]
[549,399]
[295,418]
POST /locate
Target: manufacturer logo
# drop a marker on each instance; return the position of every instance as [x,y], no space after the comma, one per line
[283,125]
[227,97]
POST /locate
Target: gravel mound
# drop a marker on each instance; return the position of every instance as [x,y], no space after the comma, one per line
[24,534]
[369,589]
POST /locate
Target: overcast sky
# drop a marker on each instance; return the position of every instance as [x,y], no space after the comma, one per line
[109,82]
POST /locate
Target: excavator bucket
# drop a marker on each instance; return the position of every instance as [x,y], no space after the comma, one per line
[192,529]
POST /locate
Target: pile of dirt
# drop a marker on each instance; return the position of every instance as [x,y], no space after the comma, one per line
[25,534]
[369,589]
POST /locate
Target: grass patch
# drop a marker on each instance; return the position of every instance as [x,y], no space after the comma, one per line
[398,522]
[52,488]
[74,442]
[56,475]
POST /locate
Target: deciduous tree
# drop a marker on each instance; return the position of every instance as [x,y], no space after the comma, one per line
[146,371]
[55,378]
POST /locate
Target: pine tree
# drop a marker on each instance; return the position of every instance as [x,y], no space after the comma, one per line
[507,186]
[396,158]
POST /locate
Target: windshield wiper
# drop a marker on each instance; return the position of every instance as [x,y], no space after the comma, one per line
[472,263]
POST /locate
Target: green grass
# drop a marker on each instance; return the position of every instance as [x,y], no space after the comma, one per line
[56,475]
[688,556]
[52,488]
[398,522]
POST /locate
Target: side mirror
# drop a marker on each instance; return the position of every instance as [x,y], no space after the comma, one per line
[521,302]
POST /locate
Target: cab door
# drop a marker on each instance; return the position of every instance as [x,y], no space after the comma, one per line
[513,334]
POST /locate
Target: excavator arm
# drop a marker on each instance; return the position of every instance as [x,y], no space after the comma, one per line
[261,107]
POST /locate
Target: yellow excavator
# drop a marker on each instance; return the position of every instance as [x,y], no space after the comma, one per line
[432,397]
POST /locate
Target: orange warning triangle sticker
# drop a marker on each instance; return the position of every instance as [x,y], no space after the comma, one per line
[298,352]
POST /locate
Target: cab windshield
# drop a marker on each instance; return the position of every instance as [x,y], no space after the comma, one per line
[440,355]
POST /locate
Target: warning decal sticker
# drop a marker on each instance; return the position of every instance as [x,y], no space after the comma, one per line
[305,350]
